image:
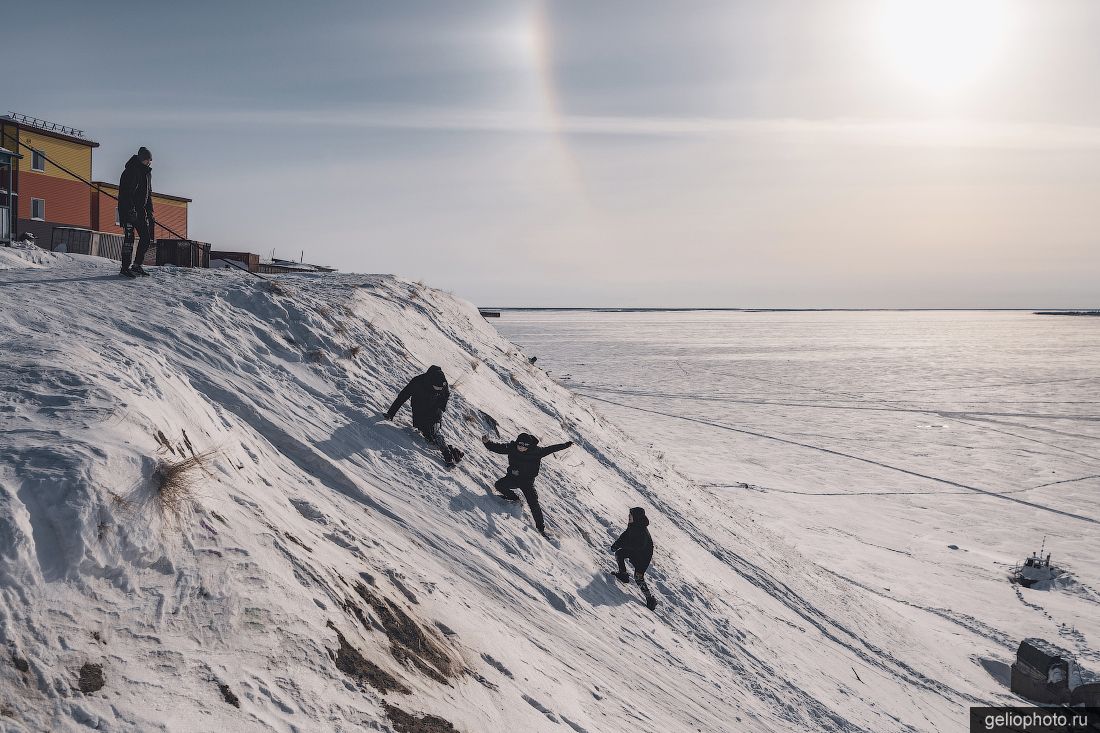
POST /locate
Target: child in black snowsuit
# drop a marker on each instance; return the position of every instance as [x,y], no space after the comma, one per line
[524,459]
[429,393]
[636,545]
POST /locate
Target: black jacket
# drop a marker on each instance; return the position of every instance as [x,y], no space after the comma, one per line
[636,544]
[428,403]
[135,190]
[524,465]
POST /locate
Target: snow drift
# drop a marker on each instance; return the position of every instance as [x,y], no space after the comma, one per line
[319,569]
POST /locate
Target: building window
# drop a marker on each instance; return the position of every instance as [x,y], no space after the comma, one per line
[38,161]
[38,209]
[118,223]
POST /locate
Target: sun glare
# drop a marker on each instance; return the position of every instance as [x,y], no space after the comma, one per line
[943,45]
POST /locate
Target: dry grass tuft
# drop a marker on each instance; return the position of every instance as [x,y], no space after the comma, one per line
[171,492]
[354,351]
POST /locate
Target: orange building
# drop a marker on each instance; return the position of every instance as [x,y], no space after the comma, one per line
[46,192]
[170,212]
[44,195]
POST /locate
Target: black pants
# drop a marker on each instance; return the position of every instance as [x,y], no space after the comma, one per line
[432,435]
[639,575]
[144,228]
[507,486]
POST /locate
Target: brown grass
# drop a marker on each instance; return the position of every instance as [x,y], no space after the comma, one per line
[354,351]
[171,492]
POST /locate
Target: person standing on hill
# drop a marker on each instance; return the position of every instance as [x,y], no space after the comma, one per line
[135,210]
[636,545]
[429,393]
[524,460]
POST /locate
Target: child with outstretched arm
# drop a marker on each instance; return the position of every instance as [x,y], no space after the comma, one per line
[524,460]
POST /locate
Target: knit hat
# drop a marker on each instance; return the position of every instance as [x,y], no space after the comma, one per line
[527,438]
[144,154]
[436,376]
[637,515]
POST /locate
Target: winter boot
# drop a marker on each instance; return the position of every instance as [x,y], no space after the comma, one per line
[624,577]
[138,270]
[126,272]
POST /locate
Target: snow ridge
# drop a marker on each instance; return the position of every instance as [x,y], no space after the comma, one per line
[331,574]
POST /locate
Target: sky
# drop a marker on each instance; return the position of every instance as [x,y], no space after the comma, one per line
[743,153]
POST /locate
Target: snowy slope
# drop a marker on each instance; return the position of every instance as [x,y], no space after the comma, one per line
[333,574]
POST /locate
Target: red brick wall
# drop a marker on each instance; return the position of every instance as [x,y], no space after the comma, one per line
[66,201]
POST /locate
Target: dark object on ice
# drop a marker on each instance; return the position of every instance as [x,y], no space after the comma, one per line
[406,723]
[1067,313]
[489,314]
[429,393]
[1087,694]
[91,678]
[524,460]
[952,547]
[228,695]
[1044,673]
[1035,569]
[533,359]
[135,209]
[636,544]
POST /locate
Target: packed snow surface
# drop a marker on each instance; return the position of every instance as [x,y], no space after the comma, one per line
[323,571]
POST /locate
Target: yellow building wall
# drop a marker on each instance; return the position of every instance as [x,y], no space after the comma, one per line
[74,156]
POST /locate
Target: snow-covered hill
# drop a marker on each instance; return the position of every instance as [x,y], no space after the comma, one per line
[332,575]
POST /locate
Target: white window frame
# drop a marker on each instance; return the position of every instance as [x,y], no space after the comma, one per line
[36,159]
[42,202]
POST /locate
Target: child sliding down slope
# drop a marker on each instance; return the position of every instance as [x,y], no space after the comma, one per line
[636,545]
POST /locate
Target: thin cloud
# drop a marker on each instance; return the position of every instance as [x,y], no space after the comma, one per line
[903,133]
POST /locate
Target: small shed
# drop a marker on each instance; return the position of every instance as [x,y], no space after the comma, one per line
[1043,672]
[247,260]
[182,253]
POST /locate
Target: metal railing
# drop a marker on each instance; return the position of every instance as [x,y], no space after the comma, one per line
[45,124]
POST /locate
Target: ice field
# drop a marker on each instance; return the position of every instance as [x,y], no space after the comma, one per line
[874,442]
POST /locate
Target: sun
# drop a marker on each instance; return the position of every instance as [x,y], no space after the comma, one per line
[942,45]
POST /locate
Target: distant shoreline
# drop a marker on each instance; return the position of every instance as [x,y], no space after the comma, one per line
[573,309]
